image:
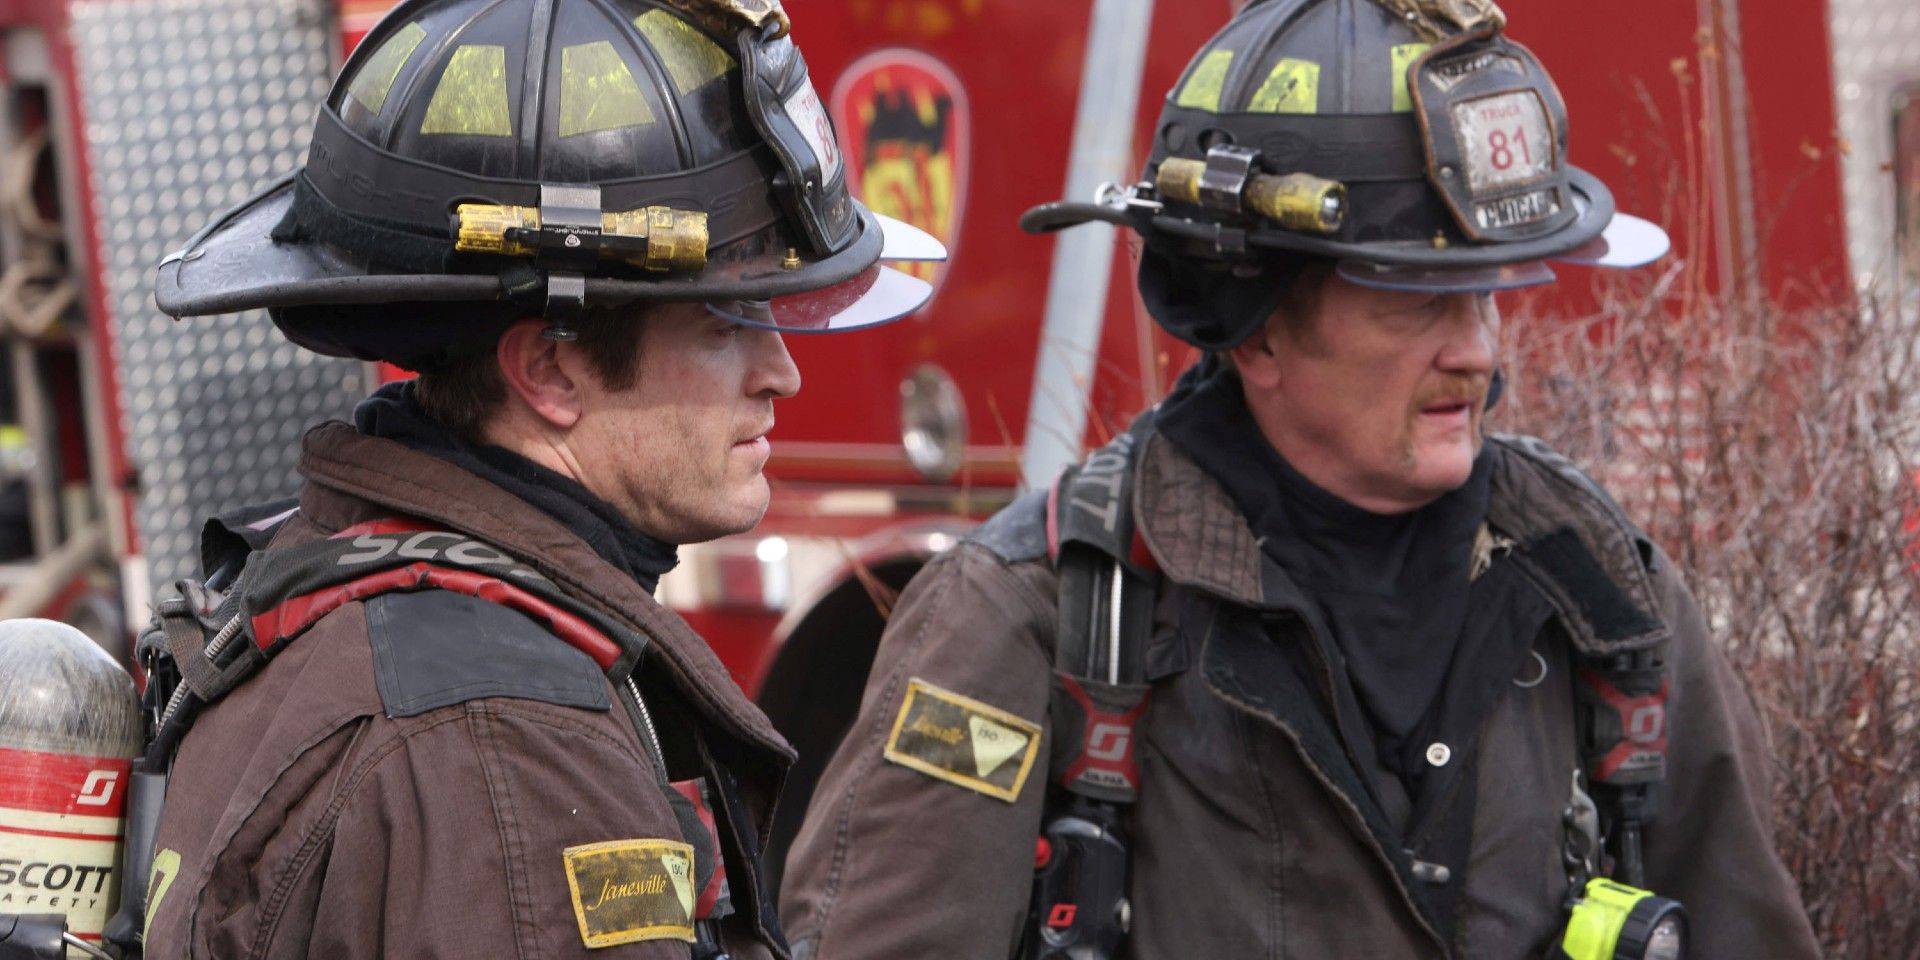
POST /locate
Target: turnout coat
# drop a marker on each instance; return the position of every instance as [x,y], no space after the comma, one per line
[1256,833]
[429,774]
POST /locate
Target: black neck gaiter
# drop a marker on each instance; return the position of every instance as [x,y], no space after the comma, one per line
[392,413]
[1392,590]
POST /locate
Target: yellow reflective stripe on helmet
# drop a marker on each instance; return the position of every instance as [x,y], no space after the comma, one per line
[598,92]
[1292,87]
[1203,88]
[375,80]
[472,96]
[691,59]
[1404,54]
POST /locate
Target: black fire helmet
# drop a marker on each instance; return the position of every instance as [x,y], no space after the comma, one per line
[1408,143]
[478,161]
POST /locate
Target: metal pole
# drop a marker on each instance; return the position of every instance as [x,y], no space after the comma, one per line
[1102,152]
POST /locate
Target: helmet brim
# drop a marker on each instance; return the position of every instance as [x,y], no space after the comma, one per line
[1506,276]
[908,243]
[1593,206]
[235,264]
[878,295]
[1625,243]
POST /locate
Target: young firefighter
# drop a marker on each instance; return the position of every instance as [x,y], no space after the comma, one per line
[454,722]
[1307,664]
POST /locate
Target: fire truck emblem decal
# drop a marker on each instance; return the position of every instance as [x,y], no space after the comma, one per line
[905,138]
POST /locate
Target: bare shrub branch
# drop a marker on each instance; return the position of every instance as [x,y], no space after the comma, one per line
[1772,455]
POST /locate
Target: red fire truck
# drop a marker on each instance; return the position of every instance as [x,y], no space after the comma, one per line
[1780,143]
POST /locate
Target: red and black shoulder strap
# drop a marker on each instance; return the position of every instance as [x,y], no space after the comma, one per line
[1106,593]
[207,640]
[1106,597]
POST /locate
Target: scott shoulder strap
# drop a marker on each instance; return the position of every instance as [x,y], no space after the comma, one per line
[1079,907]
[1105,617]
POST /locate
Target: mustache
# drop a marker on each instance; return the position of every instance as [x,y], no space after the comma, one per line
[1453,388]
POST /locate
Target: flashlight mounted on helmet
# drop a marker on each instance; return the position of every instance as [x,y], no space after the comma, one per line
[1228,181]
[659,239]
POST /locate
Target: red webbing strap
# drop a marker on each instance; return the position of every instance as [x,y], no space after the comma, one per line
[436,557]
[292,617]
[715,900]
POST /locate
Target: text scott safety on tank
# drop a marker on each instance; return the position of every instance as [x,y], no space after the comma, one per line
[69,721]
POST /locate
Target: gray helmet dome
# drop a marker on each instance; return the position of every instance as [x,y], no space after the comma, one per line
[507,158]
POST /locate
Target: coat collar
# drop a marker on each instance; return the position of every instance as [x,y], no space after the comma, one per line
[356,476]
[1581,552]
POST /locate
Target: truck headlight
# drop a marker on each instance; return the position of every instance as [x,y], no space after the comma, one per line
[933,422]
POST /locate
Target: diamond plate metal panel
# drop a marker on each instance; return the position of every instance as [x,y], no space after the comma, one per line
[1876,50]
[191,106]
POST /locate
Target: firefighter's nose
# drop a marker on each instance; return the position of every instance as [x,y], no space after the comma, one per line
[774,373]
[1473,333]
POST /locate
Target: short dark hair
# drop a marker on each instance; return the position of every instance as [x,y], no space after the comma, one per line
[465,391]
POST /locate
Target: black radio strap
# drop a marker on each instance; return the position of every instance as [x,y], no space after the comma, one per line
[1621,711]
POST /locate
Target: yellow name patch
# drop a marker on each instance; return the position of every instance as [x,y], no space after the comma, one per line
[630,890]
[963,741]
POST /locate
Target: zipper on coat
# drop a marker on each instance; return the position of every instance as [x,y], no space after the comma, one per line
[706,945]
[642,720]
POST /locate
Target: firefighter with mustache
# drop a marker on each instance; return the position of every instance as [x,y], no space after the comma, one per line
[1308,663]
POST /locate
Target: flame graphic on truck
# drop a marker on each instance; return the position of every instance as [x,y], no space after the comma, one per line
[904,131]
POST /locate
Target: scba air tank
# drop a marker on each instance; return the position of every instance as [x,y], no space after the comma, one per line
[69,725]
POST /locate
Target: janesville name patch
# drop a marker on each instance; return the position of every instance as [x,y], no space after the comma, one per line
[963,741]
[630,890]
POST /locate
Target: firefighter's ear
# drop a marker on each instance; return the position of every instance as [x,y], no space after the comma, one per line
[1257,357]
[544,374]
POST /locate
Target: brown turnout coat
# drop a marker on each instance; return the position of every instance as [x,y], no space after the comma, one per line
[1248,840]
[309,822]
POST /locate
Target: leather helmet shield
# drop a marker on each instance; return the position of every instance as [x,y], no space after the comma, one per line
[1495,132]
[788,112]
